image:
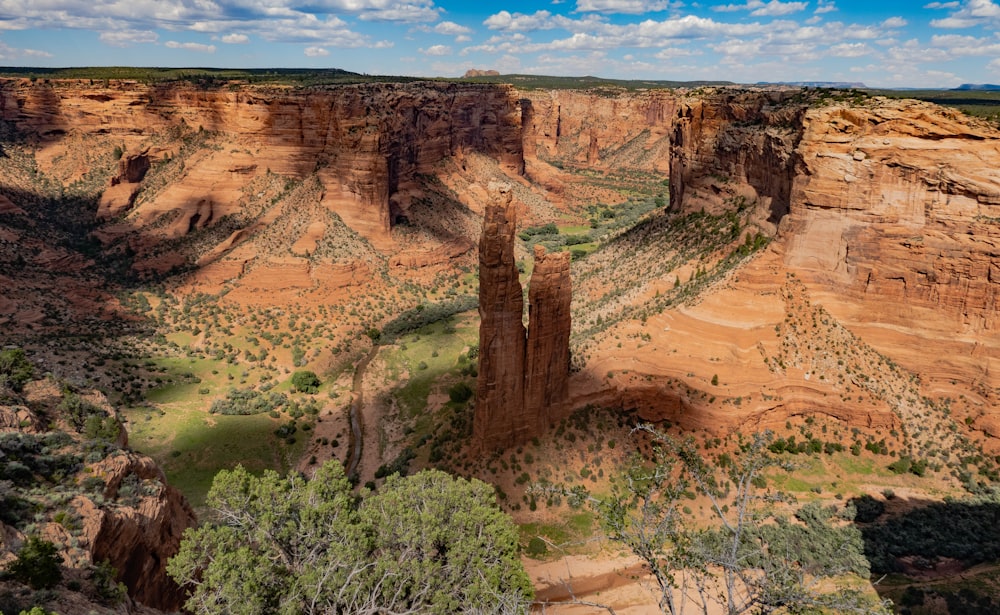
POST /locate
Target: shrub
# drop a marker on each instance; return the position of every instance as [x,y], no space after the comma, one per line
[306,381]
[37,564]
[536,547]
[460,393]
[15,369]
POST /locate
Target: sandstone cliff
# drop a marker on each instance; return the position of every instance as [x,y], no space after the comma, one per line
[523,383]
[546,378]
[135,522]
[886,209]
[500,418]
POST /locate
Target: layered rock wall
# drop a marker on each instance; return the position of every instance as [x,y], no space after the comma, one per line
[613,128]
[523,382]
[368,143]
[735,146]
[887,209]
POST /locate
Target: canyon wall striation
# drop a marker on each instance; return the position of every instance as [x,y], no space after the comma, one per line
[367,143]
[886,209]
[523,382]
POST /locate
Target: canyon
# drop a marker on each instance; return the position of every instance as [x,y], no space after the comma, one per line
[807,255]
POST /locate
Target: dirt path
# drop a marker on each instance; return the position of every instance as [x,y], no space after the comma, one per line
[357,412]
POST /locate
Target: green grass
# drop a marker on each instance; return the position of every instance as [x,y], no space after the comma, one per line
[570,532]
[192,445]
[420,347]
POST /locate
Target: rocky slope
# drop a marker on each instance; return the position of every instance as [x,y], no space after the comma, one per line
[67,476]
[886,211]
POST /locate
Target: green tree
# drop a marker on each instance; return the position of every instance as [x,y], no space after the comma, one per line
[305,381]
[37,564]
[15,369]
[429,543]
[753,560]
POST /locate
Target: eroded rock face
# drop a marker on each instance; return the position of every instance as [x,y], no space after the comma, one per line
[886,210]
[547,367]
[522,383]
[139,539]
[367,143]
[500,418]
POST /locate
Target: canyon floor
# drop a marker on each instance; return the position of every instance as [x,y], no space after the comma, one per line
[846,304]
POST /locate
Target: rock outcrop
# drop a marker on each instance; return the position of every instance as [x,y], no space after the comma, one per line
[546,384]
[139,539]
[135,521]
[500,418]
[522,383]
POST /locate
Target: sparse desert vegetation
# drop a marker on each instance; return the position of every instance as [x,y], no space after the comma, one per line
[254,305]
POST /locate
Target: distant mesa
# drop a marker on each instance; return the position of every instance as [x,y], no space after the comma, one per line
[817,84]
[981,87]
[475,72]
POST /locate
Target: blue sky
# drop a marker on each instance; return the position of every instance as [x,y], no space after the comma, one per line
[894,43]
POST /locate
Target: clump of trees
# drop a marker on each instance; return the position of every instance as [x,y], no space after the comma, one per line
[754,559]
[427,543]
[306,381]
[15,369]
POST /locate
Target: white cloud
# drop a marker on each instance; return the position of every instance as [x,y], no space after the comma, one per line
[759,8]
[632,7]
[942,5]
[974,13]
[124,38]
[270,20]
[825,6]
[436,50]
[12,53]
[316,52]
[236,39]
[519,22]
[674,52]
[849,50]
[894,22]
[451,28]
[199,47]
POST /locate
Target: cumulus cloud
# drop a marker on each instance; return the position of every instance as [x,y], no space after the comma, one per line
[124,38]
[633,7]
[316,52]
[236,39]
[973,13]
[13,53]
[825,6]
[199,47]
[759,8]
[450,28]
[942,5]
[894,22]
[271,20]
[436,50]
[849,50]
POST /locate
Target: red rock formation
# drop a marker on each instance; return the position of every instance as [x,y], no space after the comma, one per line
[364,141]
[886,211]
[138,540]
[735,145]
[575,126]
[546,384]
[500,418]
[522,383]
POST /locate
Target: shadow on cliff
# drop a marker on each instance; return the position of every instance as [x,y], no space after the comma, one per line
[933,550]
[62,279]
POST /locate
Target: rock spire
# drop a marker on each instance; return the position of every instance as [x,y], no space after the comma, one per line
[523,373]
